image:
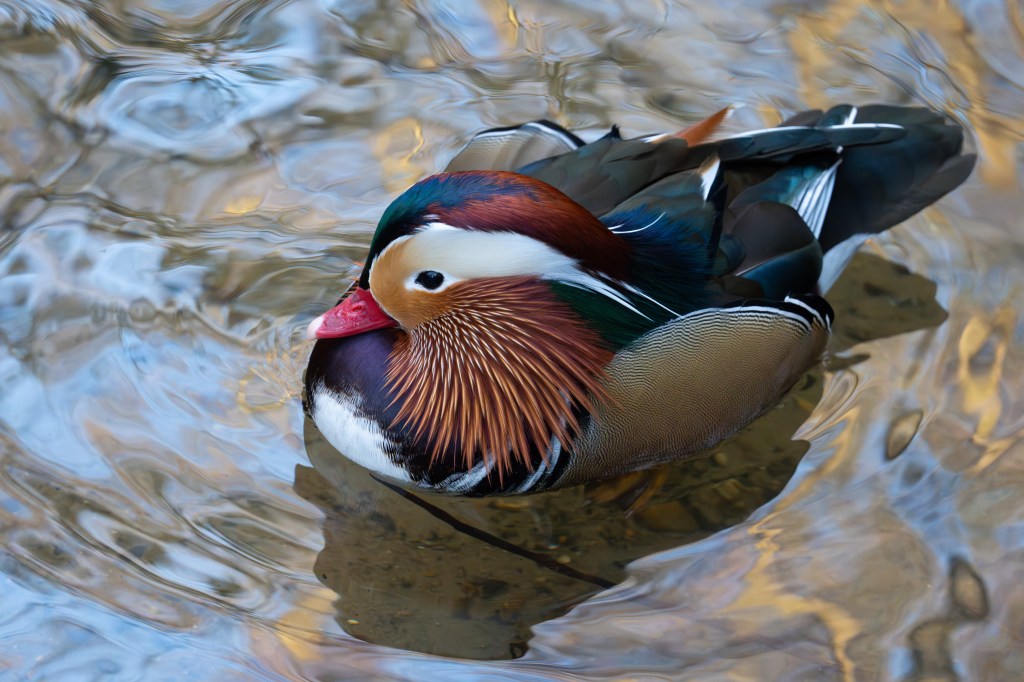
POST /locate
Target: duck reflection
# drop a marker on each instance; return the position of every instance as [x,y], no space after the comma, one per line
[414,578]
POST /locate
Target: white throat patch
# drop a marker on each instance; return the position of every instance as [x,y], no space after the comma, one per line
[358,438]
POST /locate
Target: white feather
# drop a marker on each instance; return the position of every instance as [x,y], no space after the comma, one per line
[708,174]
[462,254]
[616,229]
[359,438]
[768,131]
[813,200]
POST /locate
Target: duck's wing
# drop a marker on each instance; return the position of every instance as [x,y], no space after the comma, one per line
[697,379]
[798,198]
[801,198]
[604,173]
[514,147]
[673,228]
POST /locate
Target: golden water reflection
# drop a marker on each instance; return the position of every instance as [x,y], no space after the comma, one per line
[183,186]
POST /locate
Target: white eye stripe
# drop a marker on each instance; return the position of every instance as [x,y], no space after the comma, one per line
[582,280]
[468,254]
[462,254]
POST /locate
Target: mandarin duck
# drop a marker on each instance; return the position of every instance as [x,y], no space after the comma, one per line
[548,312]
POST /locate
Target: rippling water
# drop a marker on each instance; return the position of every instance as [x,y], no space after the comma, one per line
[183,185]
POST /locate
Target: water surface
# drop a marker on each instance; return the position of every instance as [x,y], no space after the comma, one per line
[184,185]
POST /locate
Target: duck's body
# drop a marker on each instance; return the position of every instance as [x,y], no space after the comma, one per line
[546,313]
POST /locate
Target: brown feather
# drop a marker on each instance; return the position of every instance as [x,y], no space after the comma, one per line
[498,372]
[702,130]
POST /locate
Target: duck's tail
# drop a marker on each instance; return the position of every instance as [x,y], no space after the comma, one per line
[880,185]
[880,166]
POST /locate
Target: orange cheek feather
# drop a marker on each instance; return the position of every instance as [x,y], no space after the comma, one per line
[410,307]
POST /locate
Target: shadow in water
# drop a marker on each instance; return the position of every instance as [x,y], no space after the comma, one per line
[409,579]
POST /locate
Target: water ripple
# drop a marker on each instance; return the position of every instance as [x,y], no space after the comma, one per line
[183,185]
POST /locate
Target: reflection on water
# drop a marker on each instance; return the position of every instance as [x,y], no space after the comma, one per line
[183,185]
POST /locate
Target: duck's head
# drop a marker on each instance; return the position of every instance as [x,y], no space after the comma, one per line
[487,275]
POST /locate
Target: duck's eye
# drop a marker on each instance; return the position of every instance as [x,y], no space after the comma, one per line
[430,279]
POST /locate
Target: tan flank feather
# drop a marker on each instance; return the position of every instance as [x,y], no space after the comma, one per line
[499,370]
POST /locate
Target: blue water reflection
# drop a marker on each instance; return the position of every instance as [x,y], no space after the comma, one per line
[184,185]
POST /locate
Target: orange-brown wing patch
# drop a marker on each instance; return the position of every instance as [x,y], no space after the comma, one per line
[701,131]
